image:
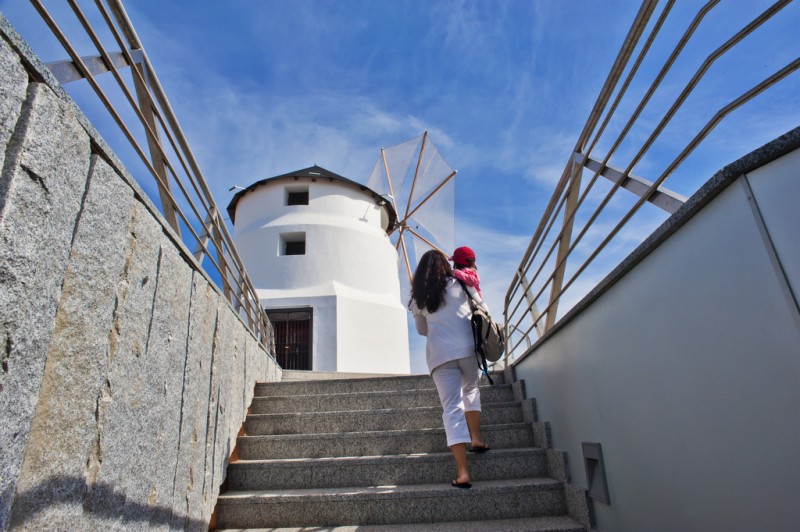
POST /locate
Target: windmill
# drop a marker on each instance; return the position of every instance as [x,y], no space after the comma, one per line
[420,185]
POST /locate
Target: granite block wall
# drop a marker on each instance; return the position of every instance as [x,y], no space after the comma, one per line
[125,374]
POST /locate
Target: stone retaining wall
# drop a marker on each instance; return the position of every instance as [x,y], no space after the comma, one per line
[125,374]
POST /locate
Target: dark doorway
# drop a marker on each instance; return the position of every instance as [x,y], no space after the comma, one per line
[292,337]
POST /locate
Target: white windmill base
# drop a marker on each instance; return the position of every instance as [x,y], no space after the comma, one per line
[379,346]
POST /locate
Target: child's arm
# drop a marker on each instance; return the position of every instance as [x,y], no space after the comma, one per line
[478,299]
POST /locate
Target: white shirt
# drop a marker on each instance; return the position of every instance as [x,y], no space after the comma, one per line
[448,329]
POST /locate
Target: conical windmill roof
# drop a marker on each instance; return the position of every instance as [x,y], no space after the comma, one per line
[315,173]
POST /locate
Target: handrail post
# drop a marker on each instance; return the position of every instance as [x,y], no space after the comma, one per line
[526,290]
[564,243]
[154,144]
[221,260]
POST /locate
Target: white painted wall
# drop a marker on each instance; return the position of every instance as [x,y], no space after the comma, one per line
[365,348]
[687,371]
[775,187]
[348,274]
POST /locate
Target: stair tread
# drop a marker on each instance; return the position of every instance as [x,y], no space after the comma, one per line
[406,382]
[384,433]
[479,488]
[376,411]
[560,523]
[310,375]
[369,393]
[362,380]
[360,377]
[363,460]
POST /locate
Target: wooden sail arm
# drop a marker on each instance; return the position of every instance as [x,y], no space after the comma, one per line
[429,196]
[397,244]
[416,173]
[431,244]
[391,189]
[405,256]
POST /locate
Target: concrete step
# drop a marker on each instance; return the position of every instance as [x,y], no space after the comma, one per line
[560,523]
[426,417]
[405,382]
[367,400]
[301,375]
[378,443]
[419,503]
[431,468]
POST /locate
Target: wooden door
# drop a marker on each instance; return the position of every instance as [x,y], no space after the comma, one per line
[292,338]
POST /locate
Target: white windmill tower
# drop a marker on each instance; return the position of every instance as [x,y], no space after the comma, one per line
[317,249]
[323,254]
[420,184]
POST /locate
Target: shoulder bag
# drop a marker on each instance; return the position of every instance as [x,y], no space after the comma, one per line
[489,336]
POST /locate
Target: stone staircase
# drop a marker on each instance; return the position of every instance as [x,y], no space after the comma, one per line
[370,454]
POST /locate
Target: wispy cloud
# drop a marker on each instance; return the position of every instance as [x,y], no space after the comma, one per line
[243,136]
[470,28]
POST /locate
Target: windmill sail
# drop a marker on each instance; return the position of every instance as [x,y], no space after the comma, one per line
[421,186]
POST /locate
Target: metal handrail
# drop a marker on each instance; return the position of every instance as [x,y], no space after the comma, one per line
[521,311]
[188,206]
[503,362]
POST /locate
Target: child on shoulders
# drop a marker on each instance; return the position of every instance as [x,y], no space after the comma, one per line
[464,268]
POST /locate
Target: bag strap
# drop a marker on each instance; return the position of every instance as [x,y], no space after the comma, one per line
[482,364]
[471,300]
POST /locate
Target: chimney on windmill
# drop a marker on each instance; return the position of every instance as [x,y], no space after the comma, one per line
[316,247]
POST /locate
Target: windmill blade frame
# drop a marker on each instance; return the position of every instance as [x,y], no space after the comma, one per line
[404,200]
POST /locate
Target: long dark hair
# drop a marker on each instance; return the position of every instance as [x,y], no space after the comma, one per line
[430,280]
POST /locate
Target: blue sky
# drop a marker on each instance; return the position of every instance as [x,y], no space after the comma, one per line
[503,88]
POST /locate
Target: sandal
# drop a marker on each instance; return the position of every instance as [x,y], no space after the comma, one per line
[461,485]
[479,449]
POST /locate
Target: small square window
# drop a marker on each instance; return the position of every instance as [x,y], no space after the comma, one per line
[295,248]
[297,197]
[292,244]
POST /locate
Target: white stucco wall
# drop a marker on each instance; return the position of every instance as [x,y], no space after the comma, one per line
[366,348]
[348,274]
[687,371]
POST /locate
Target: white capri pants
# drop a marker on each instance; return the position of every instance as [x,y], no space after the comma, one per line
[457,384]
